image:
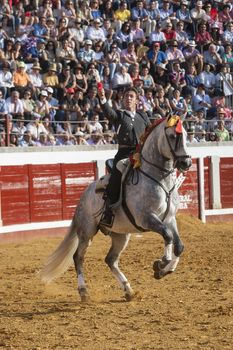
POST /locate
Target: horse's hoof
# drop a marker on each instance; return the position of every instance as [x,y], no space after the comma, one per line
[129,297]
[158,272]
[85,298]
[133,296]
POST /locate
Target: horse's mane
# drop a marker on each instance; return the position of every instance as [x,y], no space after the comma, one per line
[149,129]
[135,158]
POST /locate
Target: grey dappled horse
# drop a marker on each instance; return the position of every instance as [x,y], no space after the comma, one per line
[152,201]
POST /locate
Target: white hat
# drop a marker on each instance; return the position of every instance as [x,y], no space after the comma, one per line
[162,65]
[36,115]
[88,42]
[97,20]
[44,93]
[192,43]
[79,133]
[199,3]
[49,89]
[184,2]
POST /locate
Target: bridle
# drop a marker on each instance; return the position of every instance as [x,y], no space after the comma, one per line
[173,151]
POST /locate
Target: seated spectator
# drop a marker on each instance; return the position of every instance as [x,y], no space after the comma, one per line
[96,139]
[92,75]
[35,127]
[191,79]
[227,57]
[157,35]
[65,54]
[181,35]
[148,81]
[173,53]
[13,104]
[156,56]
[113,59]
[6,79]
[28,104]
[129,56]
[40,30]
[50,78]
[21,79]
[224,81]
[162,105]
[137,32]
[52,31]
[42,105]
[99,58]
[53,103]
[25,28]
[122,78]
[94,9]
[178,104]
[125,35]
[27,140]
[140,14]
[68,11]
[177,76]
[207,78]
[211,56]
[49,54]
[169,32]
[14,142]
[121,15]
[80,138]
[36,78]
[165,12]
[95,126]
[228,34]
[95,32]
[221,132]
[45,10]
[48,125]
[192,56]
[191,139]
[66,81]
[202,37]
[198,14]
[18,127]
[77,33]
[86,55]
[162,78]
[3,110]
[201,100]
[183,14]
[225,15]
[92,99]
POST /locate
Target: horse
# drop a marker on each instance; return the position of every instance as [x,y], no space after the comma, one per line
[150,198]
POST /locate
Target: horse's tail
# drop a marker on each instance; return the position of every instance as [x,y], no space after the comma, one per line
[61,259]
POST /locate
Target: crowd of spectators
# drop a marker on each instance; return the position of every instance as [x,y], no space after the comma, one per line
[54,53]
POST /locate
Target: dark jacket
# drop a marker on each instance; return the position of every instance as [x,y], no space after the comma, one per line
[128,130]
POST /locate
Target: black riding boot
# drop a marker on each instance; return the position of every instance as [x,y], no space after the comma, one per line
[108,216]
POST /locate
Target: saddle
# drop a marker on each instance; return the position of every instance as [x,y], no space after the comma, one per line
[123,166]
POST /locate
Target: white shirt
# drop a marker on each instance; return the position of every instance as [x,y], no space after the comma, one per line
[14,107]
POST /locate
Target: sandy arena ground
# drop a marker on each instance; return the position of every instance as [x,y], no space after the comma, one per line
[189,309]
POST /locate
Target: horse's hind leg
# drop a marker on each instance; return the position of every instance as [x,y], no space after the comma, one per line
[119,243]
[78,262]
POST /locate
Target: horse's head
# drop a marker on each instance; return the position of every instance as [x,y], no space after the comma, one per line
[176,149]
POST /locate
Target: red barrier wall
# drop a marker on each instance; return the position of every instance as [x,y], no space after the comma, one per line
[38,193]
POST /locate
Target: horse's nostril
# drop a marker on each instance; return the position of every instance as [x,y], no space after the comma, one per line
[184,164]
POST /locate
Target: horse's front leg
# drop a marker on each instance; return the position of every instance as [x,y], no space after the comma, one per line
[119,243]
[162,266]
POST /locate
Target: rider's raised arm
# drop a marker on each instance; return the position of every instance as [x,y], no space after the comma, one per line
[109,112]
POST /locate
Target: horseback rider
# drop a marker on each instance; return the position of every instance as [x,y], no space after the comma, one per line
[129,124]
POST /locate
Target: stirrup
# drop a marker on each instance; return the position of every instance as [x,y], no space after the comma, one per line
[107,217]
